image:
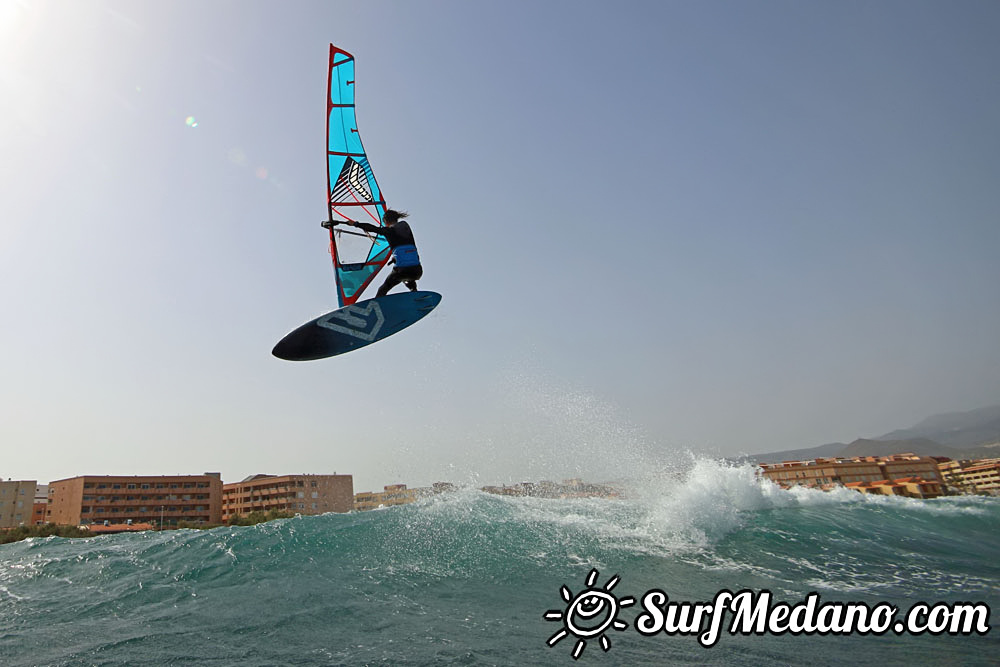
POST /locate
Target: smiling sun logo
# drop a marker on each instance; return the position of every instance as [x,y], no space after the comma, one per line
[589,614]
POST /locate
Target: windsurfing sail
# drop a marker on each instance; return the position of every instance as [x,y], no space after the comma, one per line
[353,192]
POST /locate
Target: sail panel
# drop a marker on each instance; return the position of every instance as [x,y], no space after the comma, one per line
[343,132]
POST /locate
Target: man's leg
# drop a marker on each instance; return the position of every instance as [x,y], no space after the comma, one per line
[391,281]
[413,274]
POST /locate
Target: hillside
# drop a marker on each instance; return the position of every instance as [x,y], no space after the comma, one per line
[957,435]
[961,430]
[918,446]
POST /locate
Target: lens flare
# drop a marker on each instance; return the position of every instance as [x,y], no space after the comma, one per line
[191,122]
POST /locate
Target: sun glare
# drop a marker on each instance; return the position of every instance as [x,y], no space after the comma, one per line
[15,17]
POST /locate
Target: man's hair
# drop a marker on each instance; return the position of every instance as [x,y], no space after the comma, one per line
[395,215]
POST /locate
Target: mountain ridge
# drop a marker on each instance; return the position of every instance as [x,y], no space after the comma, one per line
[973,434]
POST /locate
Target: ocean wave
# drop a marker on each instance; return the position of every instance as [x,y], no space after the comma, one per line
[470,564]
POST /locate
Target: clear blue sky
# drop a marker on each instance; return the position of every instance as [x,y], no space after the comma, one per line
[657,226]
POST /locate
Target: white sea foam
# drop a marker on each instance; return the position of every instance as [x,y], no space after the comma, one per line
[14,596]
[693,505]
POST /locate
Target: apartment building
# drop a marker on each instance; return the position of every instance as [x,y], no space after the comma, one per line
[302,494]
[40,506]
[899,474]
[911,487]
[822,472]
[910,465]
[951,472]
[113,499]
[982,478]
[17,499]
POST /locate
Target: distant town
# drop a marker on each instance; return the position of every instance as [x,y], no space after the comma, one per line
[895,475]
[120,503]
[115,503]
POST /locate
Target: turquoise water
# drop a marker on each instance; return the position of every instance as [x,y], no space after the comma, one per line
[466,578]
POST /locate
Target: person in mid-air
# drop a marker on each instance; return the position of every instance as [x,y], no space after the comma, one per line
[406,269]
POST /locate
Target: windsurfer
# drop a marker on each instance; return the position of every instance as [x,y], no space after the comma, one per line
[406,262]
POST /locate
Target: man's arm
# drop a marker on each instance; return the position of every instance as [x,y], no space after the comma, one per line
[367,226]
[371,229]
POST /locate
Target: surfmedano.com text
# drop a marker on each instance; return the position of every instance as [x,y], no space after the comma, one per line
[754,613]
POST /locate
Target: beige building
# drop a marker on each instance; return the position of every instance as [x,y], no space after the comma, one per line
[918,487]
[982,478]
[41,505]
[100,499]
[951,472]
[569,488]
[822,472]
[972,476]
[910,465]
[17,500]
[911,487]
[882,487]
[394,494]
[899,474]
[301,494]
